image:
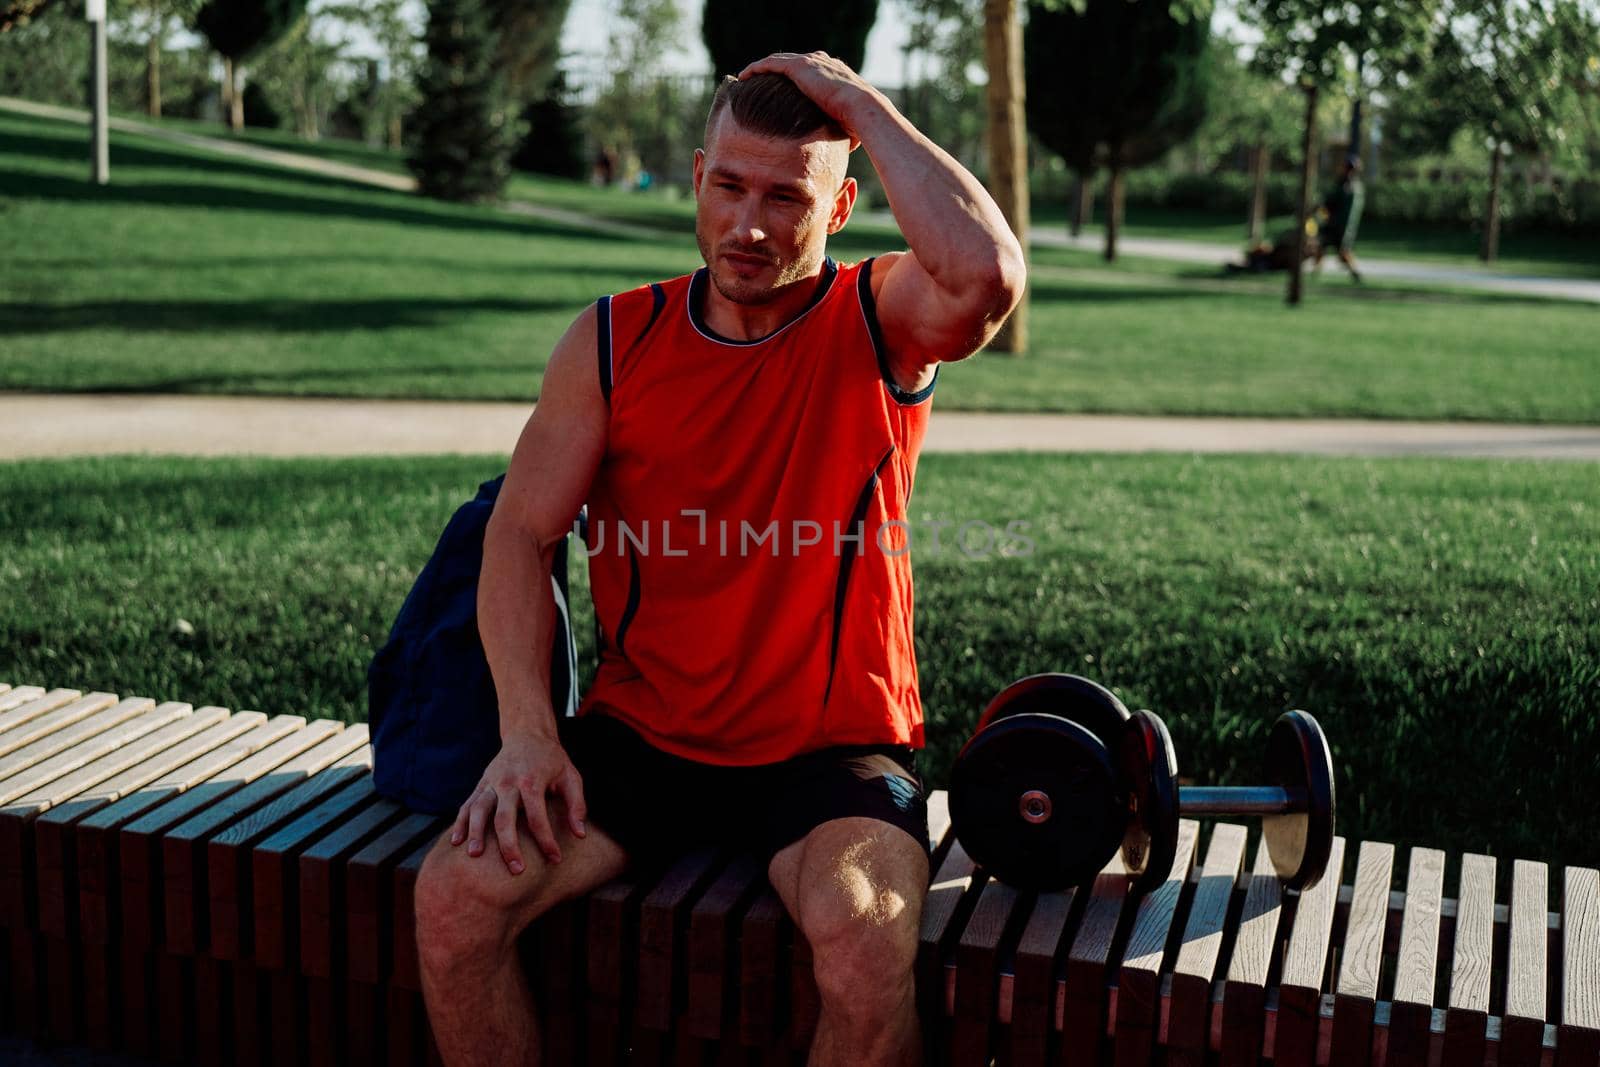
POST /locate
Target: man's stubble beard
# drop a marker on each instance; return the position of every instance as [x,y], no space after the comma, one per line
[737,290]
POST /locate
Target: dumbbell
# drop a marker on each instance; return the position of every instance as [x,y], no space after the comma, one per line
[1060,776]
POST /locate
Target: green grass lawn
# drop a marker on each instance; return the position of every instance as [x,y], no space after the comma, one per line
[1545,254]
[193,273]
[1437,616]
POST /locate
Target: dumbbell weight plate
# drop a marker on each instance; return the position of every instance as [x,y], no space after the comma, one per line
[1069,696]
[1150,767]
[1035,801]
[1298,760]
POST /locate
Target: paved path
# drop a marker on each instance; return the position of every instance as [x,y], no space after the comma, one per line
[1155,247]
[42,425]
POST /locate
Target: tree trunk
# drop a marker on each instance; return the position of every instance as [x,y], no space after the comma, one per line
[1307,172]
[236,101]
[1491,220]
[395,135]
[1008,145]
[227,89]
[152,74]
[1083,210]
[1258,191]
[1114,211]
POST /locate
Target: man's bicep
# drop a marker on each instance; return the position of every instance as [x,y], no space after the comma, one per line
[563,442]
[924,324]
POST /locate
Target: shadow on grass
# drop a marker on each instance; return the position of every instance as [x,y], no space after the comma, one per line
[218,265]
[286,316]
[254,380]
[372,204]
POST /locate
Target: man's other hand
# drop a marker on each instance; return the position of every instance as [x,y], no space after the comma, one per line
[522,774]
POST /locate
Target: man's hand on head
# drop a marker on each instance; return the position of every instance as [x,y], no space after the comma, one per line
[828,81]
[526,769]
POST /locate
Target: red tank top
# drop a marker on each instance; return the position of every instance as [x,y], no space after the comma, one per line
[749,550]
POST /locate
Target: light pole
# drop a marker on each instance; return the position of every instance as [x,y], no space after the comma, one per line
[100,155]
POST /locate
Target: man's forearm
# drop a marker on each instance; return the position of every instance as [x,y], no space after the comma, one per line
[949,220]
[516,621]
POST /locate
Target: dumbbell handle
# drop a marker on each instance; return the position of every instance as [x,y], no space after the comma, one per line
[1240,800]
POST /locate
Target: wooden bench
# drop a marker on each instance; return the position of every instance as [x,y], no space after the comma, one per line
[213,887]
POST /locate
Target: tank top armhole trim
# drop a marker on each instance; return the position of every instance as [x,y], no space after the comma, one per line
[603,351]
[869,313]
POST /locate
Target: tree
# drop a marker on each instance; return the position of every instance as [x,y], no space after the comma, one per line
[1115,84]
[1517,75]
[529,44]
[644,115]
[1008,150]
[1315,44]
[1244,114]
[390,91]
[158,18]
[238,29]
[464,129]
[944,46]
[300,73]
[739,32]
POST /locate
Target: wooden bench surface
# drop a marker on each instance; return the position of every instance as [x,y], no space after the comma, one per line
[203,886]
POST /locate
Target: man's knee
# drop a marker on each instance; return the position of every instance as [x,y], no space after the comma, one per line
[471,907]
[861,913]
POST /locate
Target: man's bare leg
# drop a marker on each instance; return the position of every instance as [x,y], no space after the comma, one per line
[855,888]
[1348,258]
[470,910]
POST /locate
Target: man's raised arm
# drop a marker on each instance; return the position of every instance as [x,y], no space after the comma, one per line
[965,271]
[546,484]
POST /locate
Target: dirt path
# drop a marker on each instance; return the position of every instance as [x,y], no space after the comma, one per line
[35,425]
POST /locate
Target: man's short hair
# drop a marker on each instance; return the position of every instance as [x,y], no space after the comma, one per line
[771,105]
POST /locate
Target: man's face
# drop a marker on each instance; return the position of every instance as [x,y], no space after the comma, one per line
[765,207]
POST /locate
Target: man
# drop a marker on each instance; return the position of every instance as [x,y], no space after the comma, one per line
[1342,209]
[746,439]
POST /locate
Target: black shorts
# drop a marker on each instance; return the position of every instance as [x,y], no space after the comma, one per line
[658,806]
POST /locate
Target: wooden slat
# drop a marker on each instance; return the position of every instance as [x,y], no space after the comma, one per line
[139,843]
[54,856]
[1356,994]
[368,904]
[977,966]
[1080,1007]
[613,925]
[663,924]
[1578,1040]
[113,728]
[229,853]
[1467,1017]
[321,897]
[1523,1025]
[1299,1015]
[560,970]
[59,731]
[405,916]
[951,883]
[1411,1013]
[95,835]
[1244,993]
[111,753]
[23,706]
[1139,977]
[186,895]
[711,1011]
[1032,1005]
[275,875]
[762,933]
[1189,1028]
[18,697]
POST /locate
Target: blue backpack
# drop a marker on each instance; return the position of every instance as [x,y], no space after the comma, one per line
[431,704]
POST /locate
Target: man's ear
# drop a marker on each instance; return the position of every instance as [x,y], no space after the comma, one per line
[844,201]
[699,169]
